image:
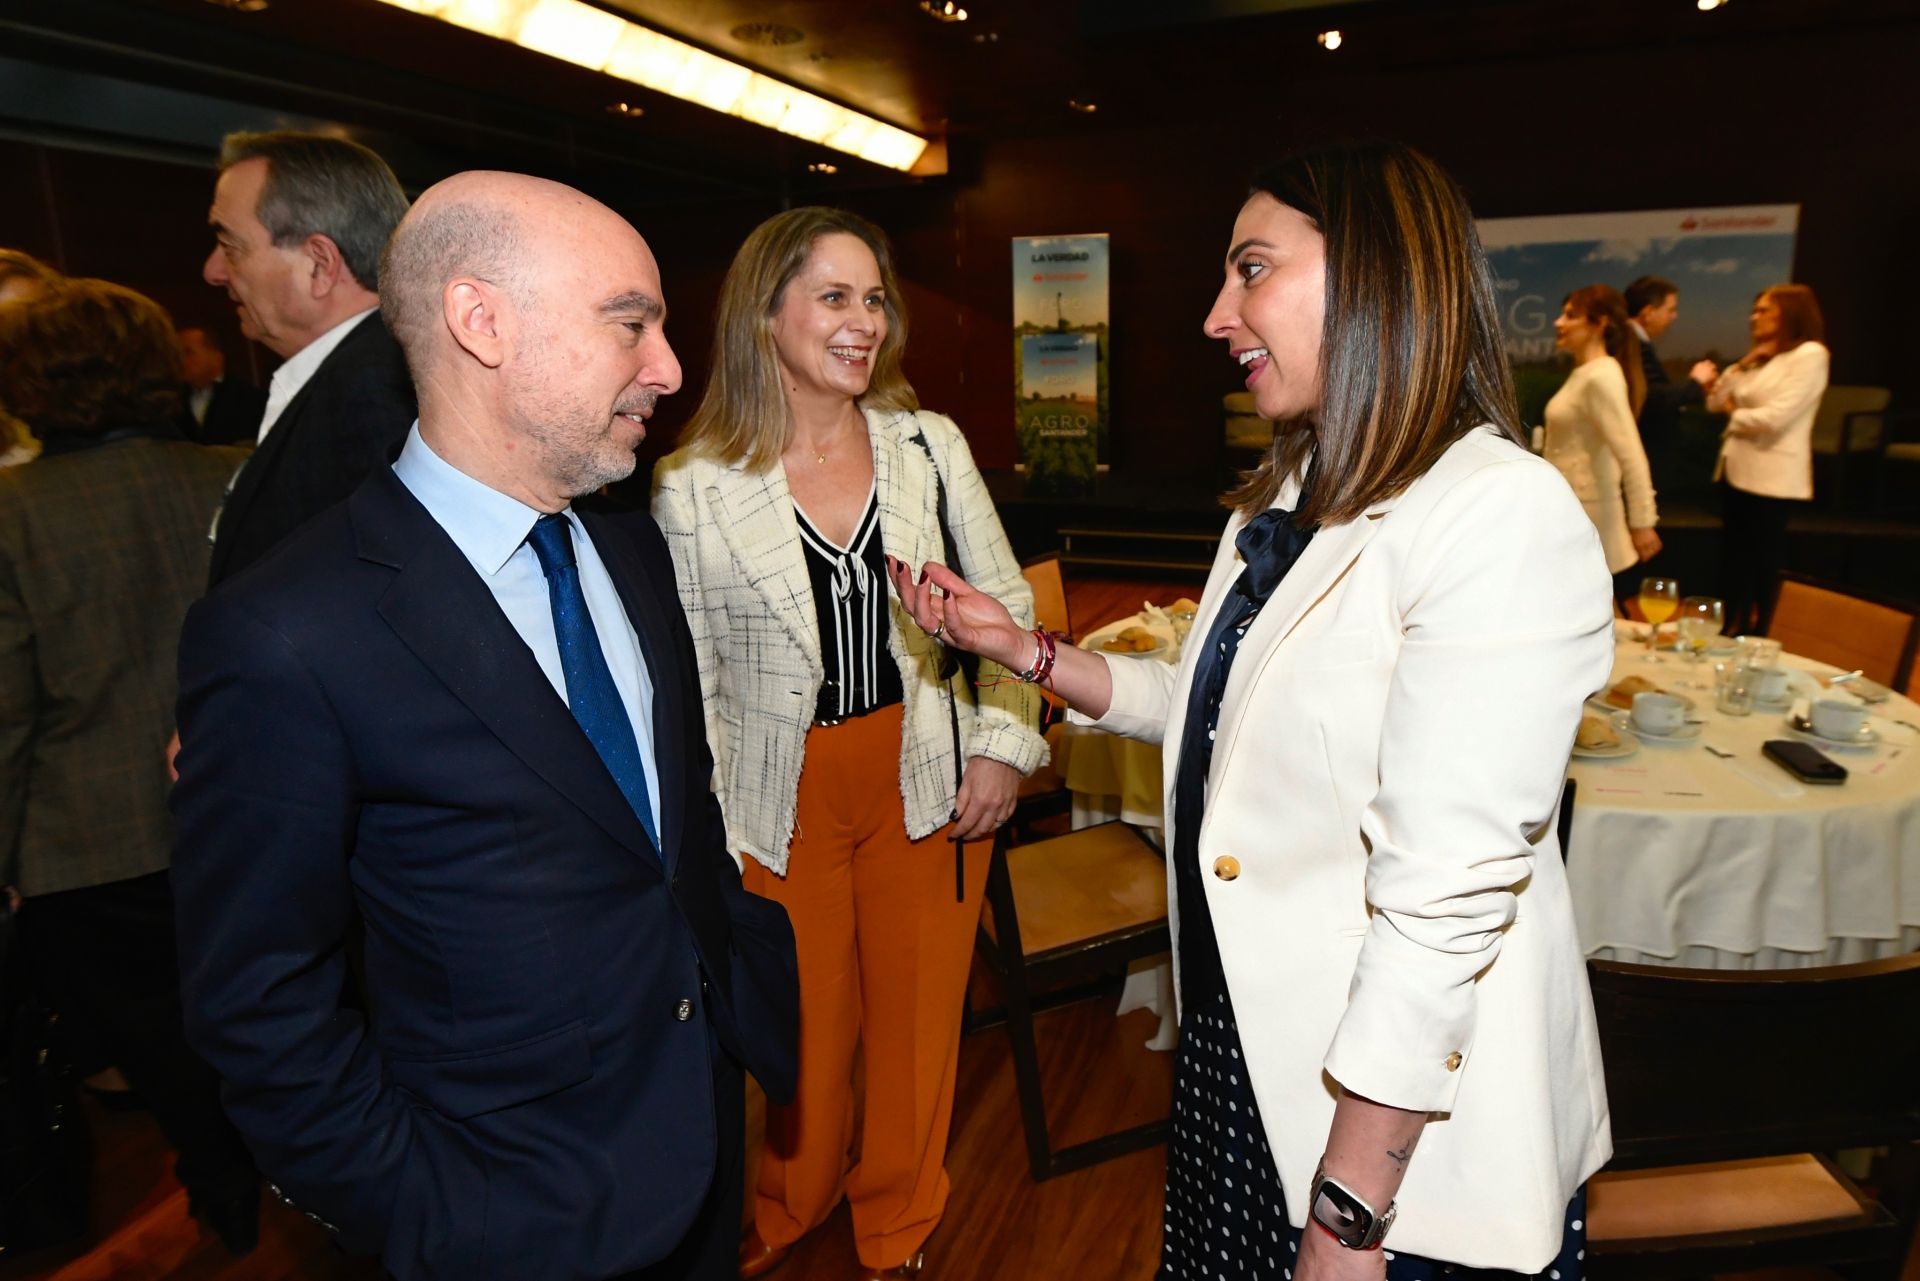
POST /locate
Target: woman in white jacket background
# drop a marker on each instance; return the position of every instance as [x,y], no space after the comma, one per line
[1366,737]
[1770,397]
[1593,435]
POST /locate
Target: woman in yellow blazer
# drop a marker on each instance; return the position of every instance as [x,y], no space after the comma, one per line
[1366,737]
[845,761]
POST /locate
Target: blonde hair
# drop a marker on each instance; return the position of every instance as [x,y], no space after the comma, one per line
[744,413]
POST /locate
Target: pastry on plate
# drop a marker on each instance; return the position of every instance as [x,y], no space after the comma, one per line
[1622,692]
[1131,640]
[1596,734]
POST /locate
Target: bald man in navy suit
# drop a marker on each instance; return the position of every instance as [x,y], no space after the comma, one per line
[467,715]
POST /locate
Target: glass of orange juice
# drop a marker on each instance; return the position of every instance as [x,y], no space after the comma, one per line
[1659,599]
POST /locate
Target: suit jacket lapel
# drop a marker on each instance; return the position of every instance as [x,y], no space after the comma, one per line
[757,522]
[650,604]
[481,659]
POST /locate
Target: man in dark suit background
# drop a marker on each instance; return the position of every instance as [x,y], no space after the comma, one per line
[469,715]
[299,222]
[1653,304]
[217,410]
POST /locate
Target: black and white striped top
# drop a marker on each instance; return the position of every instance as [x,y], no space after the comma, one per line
[850,597]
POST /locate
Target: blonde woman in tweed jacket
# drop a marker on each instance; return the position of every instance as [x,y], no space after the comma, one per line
[807,462]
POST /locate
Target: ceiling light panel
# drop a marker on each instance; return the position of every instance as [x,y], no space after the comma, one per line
[600,41]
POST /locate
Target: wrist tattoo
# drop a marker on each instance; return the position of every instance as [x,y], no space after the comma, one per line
[1401,1157]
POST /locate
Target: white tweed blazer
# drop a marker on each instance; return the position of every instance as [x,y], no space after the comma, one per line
[744,585]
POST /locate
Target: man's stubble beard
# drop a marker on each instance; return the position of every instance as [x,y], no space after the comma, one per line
[572,440]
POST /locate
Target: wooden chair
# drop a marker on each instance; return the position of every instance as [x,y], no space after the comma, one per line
[1065,911]
[1044,792]
[1755,1073]
[1835,625]
[1849,422]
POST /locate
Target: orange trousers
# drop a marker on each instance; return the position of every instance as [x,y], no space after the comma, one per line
[884,950]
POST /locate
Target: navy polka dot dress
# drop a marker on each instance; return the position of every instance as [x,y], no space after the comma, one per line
[1226,1216]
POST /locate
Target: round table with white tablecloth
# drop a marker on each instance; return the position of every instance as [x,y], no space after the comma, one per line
[1112,777]
[1705,853]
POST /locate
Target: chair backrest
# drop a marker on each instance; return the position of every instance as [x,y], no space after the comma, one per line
[1049,593]
[1830,419]
[1710,1065]
[1820,621]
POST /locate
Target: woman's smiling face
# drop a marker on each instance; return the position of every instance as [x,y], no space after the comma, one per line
[1272,308]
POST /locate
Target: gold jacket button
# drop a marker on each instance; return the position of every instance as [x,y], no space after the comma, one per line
[1453,1061]
[1226,867]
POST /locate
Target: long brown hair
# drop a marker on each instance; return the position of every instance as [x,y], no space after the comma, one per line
[744,413]
[1410,351]
[1604,305]
[1800,318]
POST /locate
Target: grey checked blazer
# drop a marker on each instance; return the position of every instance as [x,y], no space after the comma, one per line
[101,552]
[743,583]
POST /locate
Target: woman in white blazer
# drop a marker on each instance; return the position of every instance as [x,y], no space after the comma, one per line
[1366,737]
[1592,433]
[1770,397]
[847,765]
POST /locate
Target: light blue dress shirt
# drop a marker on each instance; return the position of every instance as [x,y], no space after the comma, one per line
[491,529]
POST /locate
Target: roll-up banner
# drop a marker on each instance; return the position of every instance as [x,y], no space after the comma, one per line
[1060,359]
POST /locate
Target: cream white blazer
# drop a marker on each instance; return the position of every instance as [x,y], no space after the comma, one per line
[1768,446]
[749,602]
[1386,770]
[1592,438]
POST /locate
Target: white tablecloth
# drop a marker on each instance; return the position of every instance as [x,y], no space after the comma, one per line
[1679,858]
[1676,857]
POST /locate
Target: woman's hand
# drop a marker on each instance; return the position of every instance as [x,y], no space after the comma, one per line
[962,617]
[1704,372]
[1324,1259]
[1646,543]
[988,790]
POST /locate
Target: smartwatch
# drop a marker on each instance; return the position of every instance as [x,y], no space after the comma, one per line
[1345,1214]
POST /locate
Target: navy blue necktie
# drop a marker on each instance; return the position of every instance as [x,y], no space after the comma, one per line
[591,694]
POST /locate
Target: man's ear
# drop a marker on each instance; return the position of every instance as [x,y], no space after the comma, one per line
[326,268]
[474,314]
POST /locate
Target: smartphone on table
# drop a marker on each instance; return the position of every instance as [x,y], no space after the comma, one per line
[1804,761]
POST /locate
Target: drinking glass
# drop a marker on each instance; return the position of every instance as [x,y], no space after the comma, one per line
[1659,598]
[1734,696]
[1701,619]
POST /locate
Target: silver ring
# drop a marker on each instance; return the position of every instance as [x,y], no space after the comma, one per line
[935,633]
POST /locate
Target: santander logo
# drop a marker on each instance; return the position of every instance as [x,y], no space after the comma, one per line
[1689,223]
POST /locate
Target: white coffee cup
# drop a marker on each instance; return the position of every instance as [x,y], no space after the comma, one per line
[1655,713]
[1770,684]
[1838,720]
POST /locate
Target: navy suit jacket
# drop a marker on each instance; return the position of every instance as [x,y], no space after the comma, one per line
[364,735]
[347,421]
[1665,397]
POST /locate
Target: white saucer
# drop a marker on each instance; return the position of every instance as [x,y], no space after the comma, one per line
[1625,747]
[1685,734]
[1869,737]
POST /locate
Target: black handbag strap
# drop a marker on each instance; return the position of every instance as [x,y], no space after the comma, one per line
[950,663]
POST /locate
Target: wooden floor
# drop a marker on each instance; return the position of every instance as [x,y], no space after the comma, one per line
[1101,1224]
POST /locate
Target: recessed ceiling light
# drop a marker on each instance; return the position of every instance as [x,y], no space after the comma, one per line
[1331,40]
[823,166]
[1084,108]
[240,6]
[631,110]
[1708,6]
[943,10]
[986,37]
[592,37]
